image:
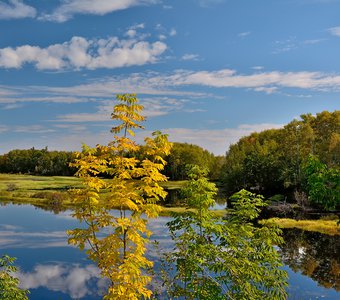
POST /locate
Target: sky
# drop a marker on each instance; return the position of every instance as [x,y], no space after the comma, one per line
[207,71]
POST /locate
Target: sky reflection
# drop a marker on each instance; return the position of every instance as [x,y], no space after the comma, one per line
[74,280]
[52,269]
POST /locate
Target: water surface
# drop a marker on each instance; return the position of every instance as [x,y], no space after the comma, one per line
[52,269]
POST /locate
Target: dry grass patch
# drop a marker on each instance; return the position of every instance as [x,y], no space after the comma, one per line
[329,227]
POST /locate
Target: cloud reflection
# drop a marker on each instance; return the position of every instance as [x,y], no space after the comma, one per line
[74,280]
[23,239]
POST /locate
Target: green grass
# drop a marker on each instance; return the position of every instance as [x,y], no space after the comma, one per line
[167,211]
[31,183]
[173,185]
[329,227]
[37,190]
[52,191]
[46,190]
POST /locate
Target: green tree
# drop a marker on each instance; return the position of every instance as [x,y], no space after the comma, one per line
[217,258]
[323,183]
[183,154]
[117,243]
[272,161]
[9,284]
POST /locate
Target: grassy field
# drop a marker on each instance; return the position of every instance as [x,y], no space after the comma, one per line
[51,192]
[21,184]
[329,227]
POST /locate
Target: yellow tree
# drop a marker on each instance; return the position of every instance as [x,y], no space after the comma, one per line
[116,210]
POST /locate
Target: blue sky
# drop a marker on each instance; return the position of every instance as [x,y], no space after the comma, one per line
[207,71]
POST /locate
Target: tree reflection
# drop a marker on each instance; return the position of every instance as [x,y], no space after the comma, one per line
[313,254]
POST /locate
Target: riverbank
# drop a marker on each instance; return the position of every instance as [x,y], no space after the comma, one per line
[52,192]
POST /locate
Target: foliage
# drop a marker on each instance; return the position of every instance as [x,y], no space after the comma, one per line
[323,183]
[271,162]
[9,284]
[117,243]
[217,258]
[57,163]
[183,154]
[37,162]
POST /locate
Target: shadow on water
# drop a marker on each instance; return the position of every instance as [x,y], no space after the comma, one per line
[314,255]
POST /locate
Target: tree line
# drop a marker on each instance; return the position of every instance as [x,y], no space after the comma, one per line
[298,161]
[37,162]
[57,163]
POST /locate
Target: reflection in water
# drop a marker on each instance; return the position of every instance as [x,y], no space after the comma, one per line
[74,280]
[15,237]
[313,254]
[51,269]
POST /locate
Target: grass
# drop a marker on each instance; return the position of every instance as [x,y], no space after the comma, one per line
[28,183]
[37,190]
[52,191]
[45,191]
[173,185]
[324,226]
[167,211]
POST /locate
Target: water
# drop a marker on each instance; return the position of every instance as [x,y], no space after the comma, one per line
[51,269]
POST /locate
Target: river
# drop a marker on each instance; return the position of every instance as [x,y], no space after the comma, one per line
[51,269]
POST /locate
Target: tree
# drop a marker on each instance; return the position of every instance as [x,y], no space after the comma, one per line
[117,243]
[9,284]
[215,258]
[191,234]
[272,161]
[323,183]
[183,154]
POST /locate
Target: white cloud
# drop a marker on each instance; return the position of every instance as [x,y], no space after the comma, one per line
[172,32]
[154,107]
[3,128]
[16,9]
[132,31]
[69,8]
[334,31]
[170,85]
[267,90]
[11,106]
[207,3]
[313,41]
[82,53]
[31,129]
[286,45]
[23,97]
[148,83]
[229,78]
[244,34]
[190,57]
[258,68]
